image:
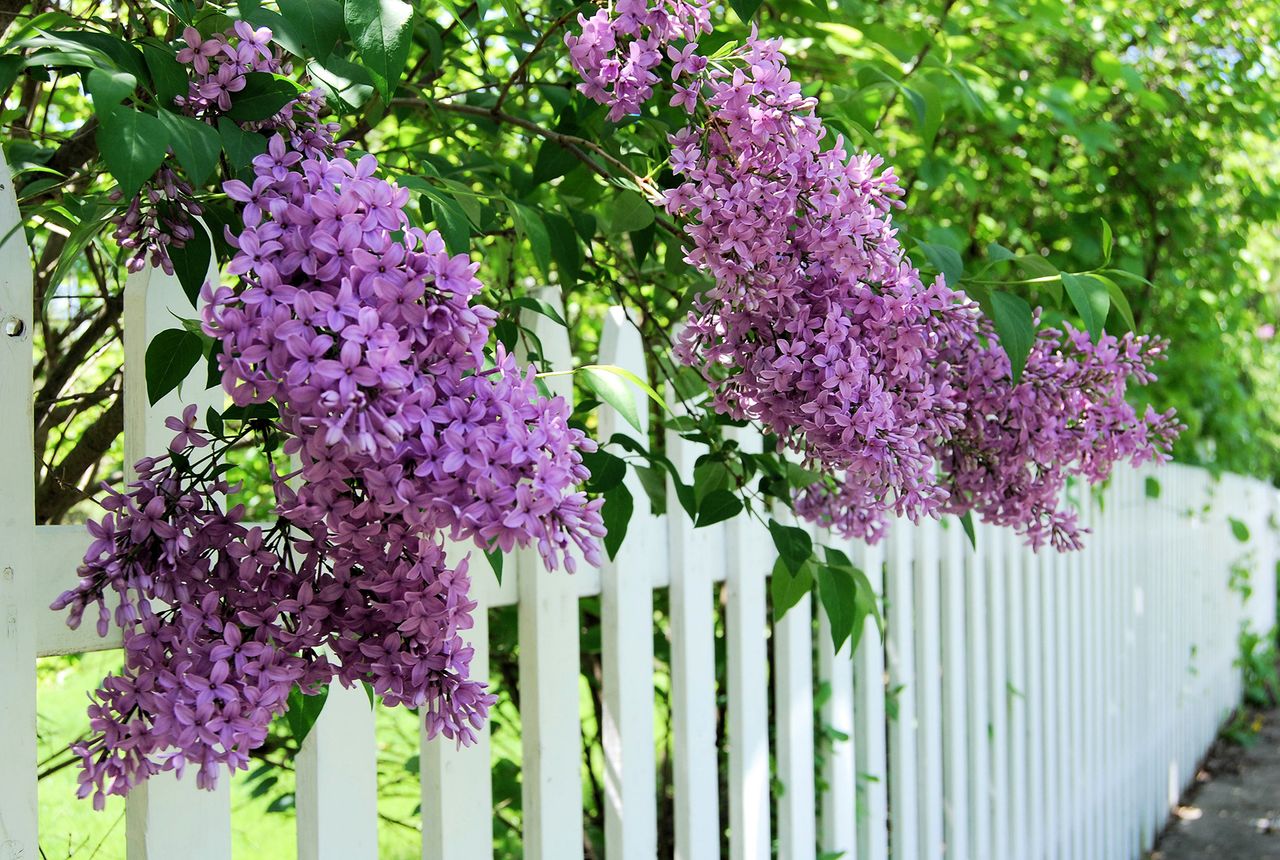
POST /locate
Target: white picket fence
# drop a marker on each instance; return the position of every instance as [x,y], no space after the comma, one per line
[1020,706]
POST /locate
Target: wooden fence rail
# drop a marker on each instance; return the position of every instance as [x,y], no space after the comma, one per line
[1018,707]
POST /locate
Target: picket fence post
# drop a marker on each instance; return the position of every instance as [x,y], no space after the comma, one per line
[18,573]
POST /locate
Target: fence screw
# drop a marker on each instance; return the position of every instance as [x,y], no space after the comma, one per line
[14,326]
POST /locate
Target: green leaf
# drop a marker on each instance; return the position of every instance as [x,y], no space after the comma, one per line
[264,95]
[191,262]
[303,711]
[795,547]
[170,357]
[1107,239]
[241,146]
[1015,327]
[1239,530]
[109,88]
[612,389]
[787,588]
[616,514]
[607,470]
[838,593]
[565,249]
[169,75]
[1091,300]
[946,260]
[717,506]
[313,26]
[627,212]
[348,86]
[196,145]
[133,145]
[708,477]
[494,557]
[1152,488]
[529,225]
[966,522]
[1119,301]
[383,32]
[746,9]
[539,306]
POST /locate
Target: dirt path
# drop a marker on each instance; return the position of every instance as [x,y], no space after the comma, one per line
[1234,814]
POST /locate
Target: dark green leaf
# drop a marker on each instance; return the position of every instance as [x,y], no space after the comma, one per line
[170,357]
[303,712]
[838,593]
[795,547]
[709,476]
[383,32]
[109,88]
[133,145]
[1091,300]
[1152,487]
[717,506]
[746,9]
[347,85]
[169,75]
[191,262]
[966,522]
[607,470]
[196,145]
[313,26]
[1015,327]
[616,514]
[529,224]
[264,95]
[787,588]
[946,260]
[494,557]
[627,212]
[565,249]
[241,146]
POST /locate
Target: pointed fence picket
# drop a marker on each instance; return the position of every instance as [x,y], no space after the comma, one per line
[1020,706]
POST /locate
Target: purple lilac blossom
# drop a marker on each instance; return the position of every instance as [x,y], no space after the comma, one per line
[361,329]
[818,326]
[162,215]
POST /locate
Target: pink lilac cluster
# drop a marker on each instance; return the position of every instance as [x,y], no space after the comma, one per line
[162,215]
[619,49]
[361,329]
[222,620]
[818,326]
[1067,417]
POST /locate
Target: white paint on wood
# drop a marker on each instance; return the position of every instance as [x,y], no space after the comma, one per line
[630,789]
[793,704]
[695,557]
[962,682]
[20,571]
[900,658]
[929,689]
[457,790]
[749,550]
[839,800]
[551,787]
[337,789]
[870,745]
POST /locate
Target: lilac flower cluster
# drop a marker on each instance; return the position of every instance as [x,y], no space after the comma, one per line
[619,48]
[1067,417]
[361,329]
[819,328]
[162,214]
